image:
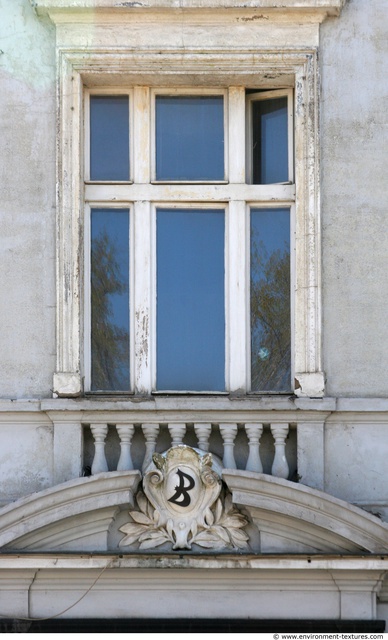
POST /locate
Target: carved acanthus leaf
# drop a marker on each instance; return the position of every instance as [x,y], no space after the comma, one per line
[221,527]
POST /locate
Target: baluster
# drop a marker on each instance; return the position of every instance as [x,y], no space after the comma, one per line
[254,431]
[202,431]
[177,432]
[228,433]
[150,431]
[125,432]
[280,467]
[99,432]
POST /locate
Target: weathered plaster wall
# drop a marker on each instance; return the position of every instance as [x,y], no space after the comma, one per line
[27,201]
[354,199]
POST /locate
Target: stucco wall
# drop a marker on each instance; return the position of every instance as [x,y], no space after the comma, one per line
[354,199]
[354,139]
[27,201]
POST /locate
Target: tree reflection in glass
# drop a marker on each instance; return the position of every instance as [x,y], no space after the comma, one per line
[110,300]
[270,300]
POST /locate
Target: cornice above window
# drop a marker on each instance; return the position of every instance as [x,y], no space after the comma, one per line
[316,10]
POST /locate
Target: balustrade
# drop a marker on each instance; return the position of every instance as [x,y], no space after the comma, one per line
[246,439]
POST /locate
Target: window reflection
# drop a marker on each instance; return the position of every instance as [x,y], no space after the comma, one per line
[270,141]
[110,299]
[270,300]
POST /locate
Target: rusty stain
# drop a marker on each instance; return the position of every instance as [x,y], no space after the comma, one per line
[297,383]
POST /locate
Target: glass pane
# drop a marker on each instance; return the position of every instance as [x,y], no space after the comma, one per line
[109,138]
[190,303]
[270,300]
[110,299]
[189,138]
[270,141]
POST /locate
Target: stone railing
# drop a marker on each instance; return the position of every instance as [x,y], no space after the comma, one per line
[250,446]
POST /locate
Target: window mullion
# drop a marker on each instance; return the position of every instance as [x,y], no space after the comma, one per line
[143,298]
[141,135]
[236,296]
[236,138]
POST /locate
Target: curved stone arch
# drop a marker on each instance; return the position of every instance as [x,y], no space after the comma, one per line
[290,517]
[62,516]
[295,518]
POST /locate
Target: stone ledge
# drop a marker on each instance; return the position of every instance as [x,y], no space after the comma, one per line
[328,7]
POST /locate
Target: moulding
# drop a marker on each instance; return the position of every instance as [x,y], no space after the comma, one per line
[321,8]
[273,502]
[302,64]
[68,500]
[285,563]
[285,513]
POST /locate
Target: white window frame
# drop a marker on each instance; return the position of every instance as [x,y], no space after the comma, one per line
[74,67]
[269,95]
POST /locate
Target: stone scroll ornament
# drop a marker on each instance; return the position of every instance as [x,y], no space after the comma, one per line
[184,504]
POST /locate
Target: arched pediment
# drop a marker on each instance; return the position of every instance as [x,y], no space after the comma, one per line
[86,515]
[294,518]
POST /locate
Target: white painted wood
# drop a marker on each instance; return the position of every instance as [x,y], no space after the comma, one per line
[141,135]
[143,298]
[99,432]
[236,137]
[159,192]
[237,292]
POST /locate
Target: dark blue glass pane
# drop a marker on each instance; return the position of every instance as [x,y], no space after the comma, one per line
[109,138]
[270,300]
[190,302]
[110,299]
[270,141]
[189,138]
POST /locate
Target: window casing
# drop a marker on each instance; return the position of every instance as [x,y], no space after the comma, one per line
[143,197]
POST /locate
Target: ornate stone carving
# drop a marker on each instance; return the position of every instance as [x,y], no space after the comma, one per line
[184,504]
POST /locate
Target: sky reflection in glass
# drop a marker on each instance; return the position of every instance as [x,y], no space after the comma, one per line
[189,138]
[110,299]
[270,300]
[270,141]
[109,138]
[190,300]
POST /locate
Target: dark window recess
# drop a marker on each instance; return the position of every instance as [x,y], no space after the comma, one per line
[128,625]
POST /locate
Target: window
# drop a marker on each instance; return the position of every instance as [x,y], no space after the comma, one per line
[244,170]
[201,239]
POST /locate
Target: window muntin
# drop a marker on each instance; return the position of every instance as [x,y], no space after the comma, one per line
[109,138]
[189,138]
[190,299]
[208,197]
[109,299]
[270,304]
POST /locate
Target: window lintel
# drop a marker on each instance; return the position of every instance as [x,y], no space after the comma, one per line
[317,10]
